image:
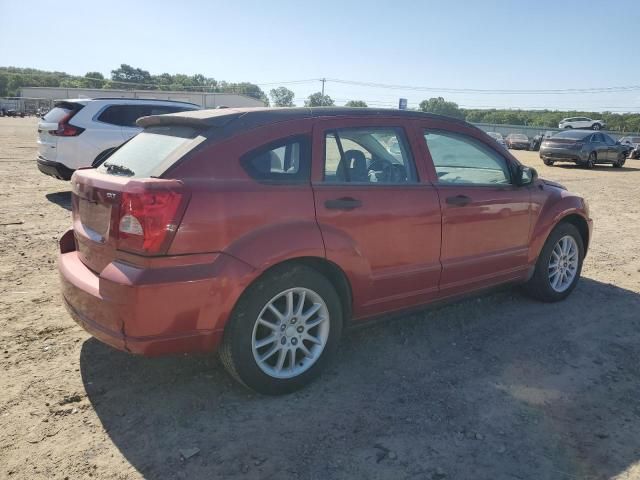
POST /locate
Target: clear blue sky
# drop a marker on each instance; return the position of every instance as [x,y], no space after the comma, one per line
[486,44]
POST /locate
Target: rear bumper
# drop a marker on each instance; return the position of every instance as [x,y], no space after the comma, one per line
[562,155]
[54,169]
[148,311]
[519,146]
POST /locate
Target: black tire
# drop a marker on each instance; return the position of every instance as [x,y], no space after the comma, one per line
[568,127]
[591,161]
[620,161]
[596,126]
[548,162]
[236,349]
[539,286]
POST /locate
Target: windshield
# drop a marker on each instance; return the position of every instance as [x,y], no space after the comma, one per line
[495,135]
[519,136]
[147,151]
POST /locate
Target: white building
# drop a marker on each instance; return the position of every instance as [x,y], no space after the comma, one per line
[205,100]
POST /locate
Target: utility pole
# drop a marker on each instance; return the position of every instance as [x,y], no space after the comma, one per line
[323,80]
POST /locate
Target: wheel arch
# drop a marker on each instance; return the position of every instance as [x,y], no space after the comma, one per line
[329,270]
[581,224]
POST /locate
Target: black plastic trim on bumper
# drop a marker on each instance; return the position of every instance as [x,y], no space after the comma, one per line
[54,169]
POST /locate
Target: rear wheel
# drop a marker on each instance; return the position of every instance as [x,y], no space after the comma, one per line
[596,126]
[559,265]
[283,331]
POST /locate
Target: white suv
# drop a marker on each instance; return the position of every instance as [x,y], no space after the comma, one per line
[581,122]
[83,132]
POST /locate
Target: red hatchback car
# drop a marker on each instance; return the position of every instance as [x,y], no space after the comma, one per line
[263,232]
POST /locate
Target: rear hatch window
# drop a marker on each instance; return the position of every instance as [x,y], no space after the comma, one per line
[60,111]
[151,152]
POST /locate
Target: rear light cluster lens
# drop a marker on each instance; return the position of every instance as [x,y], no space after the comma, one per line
[148,220]
[66,130]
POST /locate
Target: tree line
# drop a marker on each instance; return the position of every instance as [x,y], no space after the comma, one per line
[128,77]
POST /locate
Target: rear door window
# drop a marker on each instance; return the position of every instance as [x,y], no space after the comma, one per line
[126,115]
[372,155]
[151,152]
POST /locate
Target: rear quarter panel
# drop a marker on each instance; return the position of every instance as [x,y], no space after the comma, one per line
[259,223]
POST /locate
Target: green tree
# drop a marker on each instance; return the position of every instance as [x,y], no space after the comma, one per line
[244,88]
[441,107]
[282,97]
[128,74]
[93,80]
[319,100]
[356,103]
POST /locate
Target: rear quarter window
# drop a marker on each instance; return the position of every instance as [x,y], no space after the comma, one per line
[283,161]
[151,152]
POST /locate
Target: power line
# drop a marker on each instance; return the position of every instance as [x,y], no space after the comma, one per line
[616,89]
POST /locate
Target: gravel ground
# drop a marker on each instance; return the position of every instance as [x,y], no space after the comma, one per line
[495,387]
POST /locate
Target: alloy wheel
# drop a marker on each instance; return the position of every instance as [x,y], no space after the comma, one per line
[563,264]
[290,333]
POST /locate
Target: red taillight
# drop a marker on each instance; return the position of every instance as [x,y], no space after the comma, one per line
[66,130]
[148,220]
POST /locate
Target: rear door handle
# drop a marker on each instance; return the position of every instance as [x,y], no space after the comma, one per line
[458,200]
[345,203]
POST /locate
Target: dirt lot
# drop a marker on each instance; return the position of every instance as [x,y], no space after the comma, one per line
[493,387]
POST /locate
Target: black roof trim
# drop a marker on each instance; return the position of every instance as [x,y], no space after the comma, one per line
[144,100]
[255,117]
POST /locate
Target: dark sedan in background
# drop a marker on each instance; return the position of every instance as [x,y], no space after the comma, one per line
[518,141]
[583,148]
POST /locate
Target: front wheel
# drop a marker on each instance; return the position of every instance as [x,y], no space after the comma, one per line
[548,162]
[283,331]
[559,265]
[591,161]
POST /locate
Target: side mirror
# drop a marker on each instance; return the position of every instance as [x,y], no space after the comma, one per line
[525,175]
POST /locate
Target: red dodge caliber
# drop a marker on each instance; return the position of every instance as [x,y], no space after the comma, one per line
[262,232]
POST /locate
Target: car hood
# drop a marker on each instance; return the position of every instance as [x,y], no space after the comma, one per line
[551,183]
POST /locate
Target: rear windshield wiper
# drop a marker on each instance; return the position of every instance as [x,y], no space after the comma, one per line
[118,169]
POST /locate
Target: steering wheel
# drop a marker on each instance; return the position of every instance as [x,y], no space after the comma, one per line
[390,172]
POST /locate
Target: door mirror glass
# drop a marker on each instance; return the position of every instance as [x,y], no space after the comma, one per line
[526,175]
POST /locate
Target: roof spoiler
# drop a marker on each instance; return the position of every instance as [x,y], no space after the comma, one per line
[190,119]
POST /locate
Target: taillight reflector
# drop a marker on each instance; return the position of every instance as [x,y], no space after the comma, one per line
[148,220]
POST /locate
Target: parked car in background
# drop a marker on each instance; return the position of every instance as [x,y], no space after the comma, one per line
[83,132]
[498,138]
[518,141]
[536,141]
[583,148]
[263,232]
[634,143]
[582,122]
